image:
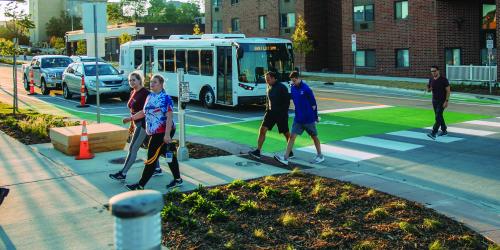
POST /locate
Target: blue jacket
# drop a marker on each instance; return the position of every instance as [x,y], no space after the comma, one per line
[303,100]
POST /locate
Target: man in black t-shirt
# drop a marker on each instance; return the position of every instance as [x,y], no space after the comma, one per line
[277,105]
[441,90]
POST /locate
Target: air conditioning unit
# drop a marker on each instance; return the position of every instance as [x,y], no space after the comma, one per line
[288,30]
[216,9]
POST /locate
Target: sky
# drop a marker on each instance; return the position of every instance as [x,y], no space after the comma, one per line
[3,3]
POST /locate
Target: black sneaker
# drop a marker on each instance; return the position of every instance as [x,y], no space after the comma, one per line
[432,136]
[291,156]
[118,176]
[255,154]
[133,187]
[158,172]
[3,193]
[174,183]
[442,133]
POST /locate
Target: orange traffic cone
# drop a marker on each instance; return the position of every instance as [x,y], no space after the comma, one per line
[84,145]
[32,86]
[82,95]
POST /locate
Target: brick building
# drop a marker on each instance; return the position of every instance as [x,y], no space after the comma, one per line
[394,37]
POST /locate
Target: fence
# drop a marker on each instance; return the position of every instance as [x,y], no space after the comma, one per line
[471,73]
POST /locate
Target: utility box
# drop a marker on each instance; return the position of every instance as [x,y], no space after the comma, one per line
[102,137]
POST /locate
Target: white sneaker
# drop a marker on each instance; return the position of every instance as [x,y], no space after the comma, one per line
[281,159]
[318,159]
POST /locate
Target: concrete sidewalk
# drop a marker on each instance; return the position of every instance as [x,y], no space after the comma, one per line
[57,202]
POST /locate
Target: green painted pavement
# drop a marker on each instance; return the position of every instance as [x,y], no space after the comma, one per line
[335,126]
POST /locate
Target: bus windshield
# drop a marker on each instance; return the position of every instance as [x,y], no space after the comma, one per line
[255,59]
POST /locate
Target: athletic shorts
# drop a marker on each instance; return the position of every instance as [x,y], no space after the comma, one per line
[310,128]
[271,119]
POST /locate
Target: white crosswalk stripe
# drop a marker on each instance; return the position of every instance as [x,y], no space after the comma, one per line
[423,136]
[383,143]
[484,123]
[467,131]
[341,153]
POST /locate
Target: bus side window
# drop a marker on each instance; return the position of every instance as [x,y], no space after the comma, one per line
[180,60]
[207,60]
[161,60]
[169,61]
[193,62]
[137,58]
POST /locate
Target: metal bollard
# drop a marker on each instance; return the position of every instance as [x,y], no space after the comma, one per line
[137,219]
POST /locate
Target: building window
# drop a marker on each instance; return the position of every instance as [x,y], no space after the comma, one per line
[216,3]
[217,26]
[489,21]
[233,2]
[288,20]
[453,57]
[401,10]
[363,16]
[365,58]
[262,22]
[402,58]
[235,24]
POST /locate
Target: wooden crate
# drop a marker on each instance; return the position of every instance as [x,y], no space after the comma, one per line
[103,137]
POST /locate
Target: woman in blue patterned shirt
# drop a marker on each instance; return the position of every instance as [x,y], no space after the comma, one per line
[158,112]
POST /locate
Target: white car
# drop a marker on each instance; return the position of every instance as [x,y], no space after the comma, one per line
[111,81]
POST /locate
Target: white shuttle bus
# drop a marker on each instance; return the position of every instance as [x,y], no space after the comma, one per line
[222,69]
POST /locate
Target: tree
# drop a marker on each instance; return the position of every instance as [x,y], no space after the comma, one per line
[7,32]
[81,48]
[134,8]
[57,43]
[6,47]
[187,12]
[197,30]
[125,37]
[115,13]
[301,42]
[156,11]
[58,26]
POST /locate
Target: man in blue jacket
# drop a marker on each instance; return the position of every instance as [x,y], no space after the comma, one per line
[306,116]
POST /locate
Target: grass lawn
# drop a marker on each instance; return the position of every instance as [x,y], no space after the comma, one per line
[299,211]
[335,126]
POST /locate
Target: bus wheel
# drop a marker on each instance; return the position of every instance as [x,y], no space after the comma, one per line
[208,98]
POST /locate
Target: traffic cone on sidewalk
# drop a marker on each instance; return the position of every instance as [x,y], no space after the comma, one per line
[84,145]
[32,86]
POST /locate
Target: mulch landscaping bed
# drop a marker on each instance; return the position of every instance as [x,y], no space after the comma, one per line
[301,211]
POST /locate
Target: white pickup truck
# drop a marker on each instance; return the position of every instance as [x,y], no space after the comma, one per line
[47,72]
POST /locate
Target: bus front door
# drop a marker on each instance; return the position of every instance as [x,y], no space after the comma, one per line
[224,75]
[148,64]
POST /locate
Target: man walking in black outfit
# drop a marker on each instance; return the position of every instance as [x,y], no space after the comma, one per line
[277,105]
[441,91]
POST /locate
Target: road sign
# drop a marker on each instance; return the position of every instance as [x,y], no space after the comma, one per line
[184,96]
[353,42]
[489,44]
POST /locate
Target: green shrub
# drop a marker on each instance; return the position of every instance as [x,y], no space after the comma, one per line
[327,233]
[364,245]
[431,224]
[294,183]
[349,224]
[320,209]
[202,205]
[249,207]
[259,234]
[237,183]
[190,199]
[407,227]
[469,241]
[378,213]
[217,215]
[173,195]
[188,222]
[397,205]
[296,172]
[371,192]
[267,192]
[215,194]
[289,219]
[232,199]
[347,187]
[494,247]
[200,189]
[170,212]
[344,197]
[295,195]
[231,244]
[270,178]
[436,245]
[317,189]
[255,186]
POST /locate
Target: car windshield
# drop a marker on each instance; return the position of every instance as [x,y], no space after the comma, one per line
[254,60]
[104,69]
[56,62]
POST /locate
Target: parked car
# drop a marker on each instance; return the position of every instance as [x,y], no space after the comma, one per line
[85,59]
[111,81]
[47,72]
